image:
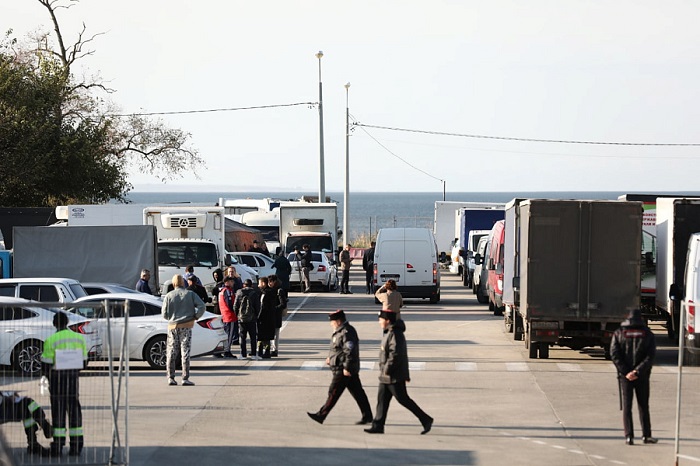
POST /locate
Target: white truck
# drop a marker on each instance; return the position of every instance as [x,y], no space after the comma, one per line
[312,224]
[184,233]
[676,220]
[188,236]
[477,216]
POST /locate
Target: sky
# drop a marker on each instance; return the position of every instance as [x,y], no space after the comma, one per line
[624,71]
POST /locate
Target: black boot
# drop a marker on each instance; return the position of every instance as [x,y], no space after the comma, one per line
[55,449]
[33,446]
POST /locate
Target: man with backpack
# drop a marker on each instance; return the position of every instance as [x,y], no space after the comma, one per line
[247,308]
[228,316]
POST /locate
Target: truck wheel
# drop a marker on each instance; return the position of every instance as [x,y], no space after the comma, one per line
[517,326]
[544,350]
[26,357]
[532,350]
[480,296]
[155,352]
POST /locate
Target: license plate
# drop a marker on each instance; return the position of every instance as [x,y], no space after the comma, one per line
[390,277]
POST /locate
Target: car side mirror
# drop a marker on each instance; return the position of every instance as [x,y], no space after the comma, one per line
[478,260]
[227,259]
[675,292]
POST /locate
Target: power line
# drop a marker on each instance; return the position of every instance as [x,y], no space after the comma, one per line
[505,138]
[214,110]
[395,155]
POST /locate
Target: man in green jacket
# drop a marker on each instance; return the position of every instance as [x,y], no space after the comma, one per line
[65,355]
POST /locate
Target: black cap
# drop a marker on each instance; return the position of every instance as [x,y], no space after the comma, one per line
[388,315]
[337,315]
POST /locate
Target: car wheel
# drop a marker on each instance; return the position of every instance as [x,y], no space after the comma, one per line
[155,352]
[544,350]
[434,299]
[26,357]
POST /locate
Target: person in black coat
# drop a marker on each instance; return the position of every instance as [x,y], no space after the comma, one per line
[344,361]
[368,267]
[284,269]
[266,319]
[393,374]
[632,350]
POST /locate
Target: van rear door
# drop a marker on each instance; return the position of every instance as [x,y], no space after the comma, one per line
[419,262]
[392,264]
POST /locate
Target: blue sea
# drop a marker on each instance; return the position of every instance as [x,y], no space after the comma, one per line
[370,212]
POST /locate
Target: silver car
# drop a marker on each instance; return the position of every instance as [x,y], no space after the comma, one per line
[324,273]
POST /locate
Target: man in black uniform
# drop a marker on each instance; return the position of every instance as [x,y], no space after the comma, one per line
[632,350]
[368,267]
[17,408]
[344,360]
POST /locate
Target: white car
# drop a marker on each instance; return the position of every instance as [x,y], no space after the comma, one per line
[243,270]
[23,329]
[147,328]
[324,273]
[256,261]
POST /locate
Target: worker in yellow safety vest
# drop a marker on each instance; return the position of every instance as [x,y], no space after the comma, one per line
[65,354]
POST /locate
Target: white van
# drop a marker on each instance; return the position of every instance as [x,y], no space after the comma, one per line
[690,301]
[409,256]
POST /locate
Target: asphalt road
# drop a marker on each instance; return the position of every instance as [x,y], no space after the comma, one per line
[492,405]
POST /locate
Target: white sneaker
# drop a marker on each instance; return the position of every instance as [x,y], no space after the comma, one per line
[256,358]
[240,356]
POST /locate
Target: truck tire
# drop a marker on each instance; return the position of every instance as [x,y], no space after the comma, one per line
[544,350]
[480,296]
[532,350]
[517,326]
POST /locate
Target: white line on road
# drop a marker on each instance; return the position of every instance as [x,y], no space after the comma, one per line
[367,365]
[465,366]
[312,365]
[517,367]
[261,365]
[416,366]
[569,367]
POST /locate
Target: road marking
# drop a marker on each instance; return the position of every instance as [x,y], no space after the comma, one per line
[261,365]
[569,367]
[517,367]
[558,447]
[416,366]
[691,458]
[669,369]
[465,366]
[312,365]
[367,365]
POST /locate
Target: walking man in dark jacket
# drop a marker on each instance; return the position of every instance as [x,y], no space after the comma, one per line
[344,360]
[632,349]
[247,309]
[393,374]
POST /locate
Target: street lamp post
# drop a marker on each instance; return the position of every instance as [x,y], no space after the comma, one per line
[322,178]
[346,194]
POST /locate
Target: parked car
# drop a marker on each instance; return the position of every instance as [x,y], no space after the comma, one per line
[147,328]
[243,270]
[256,261]
[48,290]
[100,288]
[325,272]
[24,327]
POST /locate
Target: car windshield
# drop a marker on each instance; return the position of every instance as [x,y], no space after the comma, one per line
[184,254]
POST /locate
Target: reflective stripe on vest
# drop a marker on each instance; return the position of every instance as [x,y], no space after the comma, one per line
[59,431]
[75,432]
[33,406]
[29,422]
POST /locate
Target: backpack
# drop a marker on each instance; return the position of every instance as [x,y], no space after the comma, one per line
[246,311]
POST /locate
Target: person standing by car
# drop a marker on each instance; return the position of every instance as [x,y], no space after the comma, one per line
[266,319]
[237,280]
[64,356]
[181,308]
[228,316]
[218,276]
[256,248]
[389,296]
[368,266]
[306,266]
[247,309]
[142,285]
[344,361]
[284,269]
[280,311]
[393,375]
[633,349]
[199,290]
[345,263]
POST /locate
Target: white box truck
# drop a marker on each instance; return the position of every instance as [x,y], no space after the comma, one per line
[676,220]
[312,224]
[689,297]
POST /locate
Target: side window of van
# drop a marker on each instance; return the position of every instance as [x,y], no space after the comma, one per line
[8,290]
[46,293]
